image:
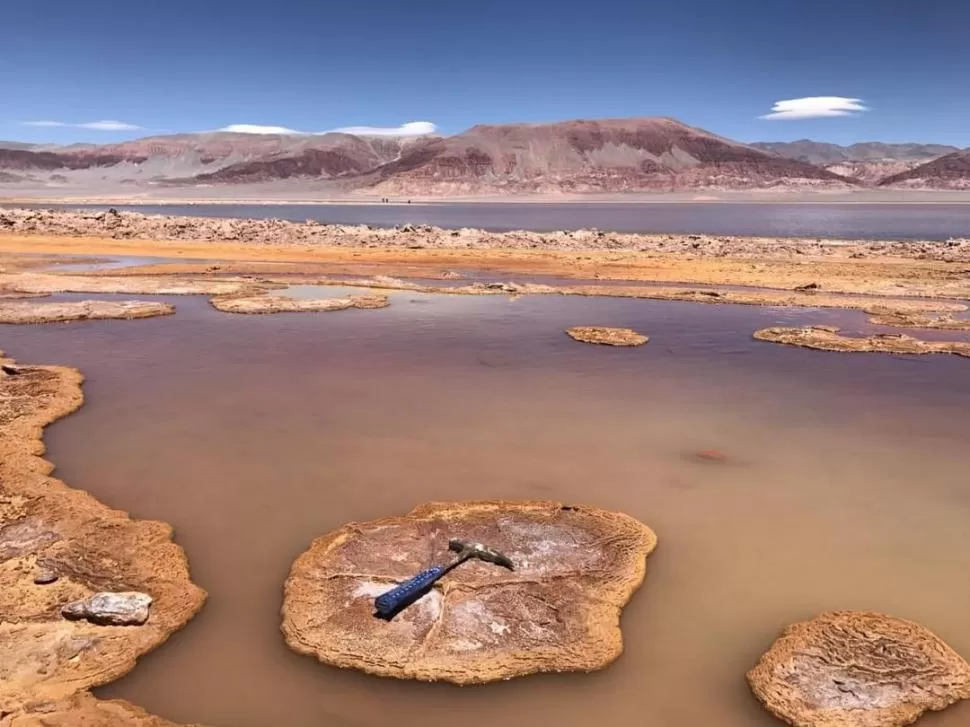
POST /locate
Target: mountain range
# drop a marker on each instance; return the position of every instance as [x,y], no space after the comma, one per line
[572,157]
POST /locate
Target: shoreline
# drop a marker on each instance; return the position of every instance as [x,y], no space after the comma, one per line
[62,545]
[863,197]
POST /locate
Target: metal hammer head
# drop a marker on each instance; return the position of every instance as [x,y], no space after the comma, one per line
[466,549]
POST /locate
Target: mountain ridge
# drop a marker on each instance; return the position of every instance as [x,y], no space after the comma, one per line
[640,154]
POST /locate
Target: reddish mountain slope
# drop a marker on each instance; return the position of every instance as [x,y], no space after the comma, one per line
[590,156]
[326,156]
[25,160]
[948,172]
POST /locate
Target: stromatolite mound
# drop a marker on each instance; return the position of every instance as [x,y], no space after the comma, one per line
[84,589]
[858,669]
[559,610]
[281,304]
[828,338]
[82,310]
[607,336]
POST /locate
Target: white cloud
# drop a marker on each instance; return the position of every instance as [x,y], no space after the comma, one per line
[257,129]
[815,107]
[106,125]
[412,128]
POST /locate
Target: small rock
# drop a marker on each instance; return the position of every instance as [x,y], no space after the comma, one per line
[128,608]
[44,577]
[807,287]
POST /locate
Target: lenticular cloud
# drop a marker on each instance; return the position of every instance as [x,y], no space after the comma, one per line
[816,107]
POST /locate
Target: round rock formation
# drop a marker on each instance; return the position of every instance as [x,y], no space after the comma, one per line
[607,336]
[559,610]
[858,669]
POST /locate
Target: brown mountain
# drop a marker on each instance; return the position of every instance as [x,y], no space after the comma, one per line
[326,156]
[23,159]
[615,155]
[948,172]
[618,155]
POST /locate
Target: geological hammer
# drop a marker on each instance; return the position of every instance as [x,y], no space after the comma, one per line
[403,595]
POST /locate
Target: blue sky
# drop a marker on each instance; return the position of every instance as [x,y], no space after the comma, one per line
[176,65]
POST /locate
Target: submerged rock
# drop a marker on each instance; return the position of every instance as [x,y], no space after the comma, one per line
[575,569]
[607,336]
[110,609]
[858,669]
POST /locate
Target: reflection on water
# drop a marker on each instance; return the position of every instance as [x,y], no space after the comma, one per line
[116,263]
[846,486]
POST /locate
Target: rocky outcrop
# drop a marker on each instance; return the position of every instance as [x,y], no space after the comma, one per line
[559,610]
[280,304]
[828,338]
[607,336]
[83,710]
[858,669]
[883,316]
[85,310]
[157,285]
[308,235]
[85,553]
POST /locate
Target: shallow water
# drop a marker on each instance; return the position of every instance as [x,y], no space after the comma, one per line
[254,434]
[851,221]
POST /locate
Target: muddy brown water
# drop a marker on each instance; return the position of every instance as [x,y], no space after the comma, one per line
[846,485]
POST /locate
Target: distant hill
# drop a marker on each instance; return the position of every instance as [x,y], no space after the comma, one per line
[823,153]
[948,172]
[15,145]
[327,156]
[868,162]
[583,156]
[614,155]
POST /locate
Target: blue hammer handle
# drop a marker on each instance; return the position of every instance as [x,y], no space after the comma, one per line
[399,596]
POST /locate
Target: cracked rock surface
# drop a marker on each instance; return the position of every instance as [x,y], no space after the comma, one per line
[575,569]
[858,669]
